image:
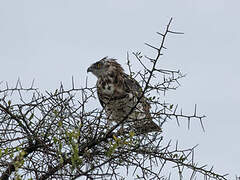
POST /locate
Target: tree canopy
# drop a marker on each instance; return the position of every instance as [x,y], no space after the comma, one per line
[60,135]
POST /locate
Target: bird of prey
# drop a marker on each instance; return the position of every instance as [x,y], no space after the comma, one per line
[121,97]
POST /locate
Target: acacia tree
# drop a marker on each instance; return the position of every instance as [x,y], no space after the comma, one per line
[61,135]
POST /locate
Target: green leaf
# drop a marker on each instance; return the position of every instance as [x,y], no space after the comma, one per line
[131,133]
[55,112]
[60,146]
[182,158]
[22,153]
[11,155]
[115,146]
[18,148]
[60,123]
[6,151]
[30,118]
[61,160]
[115,138]
[55,140]
[109,152]
[73,162]
[17,177]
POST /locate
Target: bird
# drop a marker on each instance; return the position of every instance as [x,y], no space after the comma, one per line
[122,97]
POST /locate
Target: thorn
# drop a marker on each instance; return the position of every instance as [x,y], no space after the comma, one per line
[160,34]
[175,109]
[174,32]
[86,82]
[32,83]
[149,45]
[7,84]
[195,110]
[202,124]
[211,168]
[73,83]
[17,83]
[151,59]
[177,121]
[20,84]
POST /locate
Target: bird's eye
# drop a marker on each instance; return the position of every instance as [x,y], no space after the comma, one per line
[98,65]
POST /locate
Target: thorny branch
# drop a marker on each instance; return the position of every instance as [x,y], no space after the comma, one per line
[64,135]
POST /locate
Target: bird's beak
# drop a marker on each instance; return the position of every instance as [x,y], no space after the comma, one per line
[89,69]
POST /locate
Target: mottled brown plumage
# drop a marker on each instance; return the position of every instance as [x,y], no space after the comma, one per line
[119,94]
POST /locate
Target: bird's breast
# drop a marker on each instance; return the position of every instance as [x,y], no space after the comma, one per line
[108,89]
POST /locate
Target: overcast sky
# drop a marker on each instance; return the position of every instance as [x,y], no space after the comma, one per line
[52,40]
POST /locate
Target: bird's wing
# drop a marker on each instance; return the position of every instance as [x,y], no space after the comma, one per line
[131,85]
[100,98]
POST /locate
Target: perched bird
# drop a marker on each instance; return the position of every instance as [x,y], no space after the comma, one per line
[121,96]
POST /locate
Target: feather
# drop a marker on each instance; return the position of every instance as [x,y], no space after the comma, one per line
[119,95]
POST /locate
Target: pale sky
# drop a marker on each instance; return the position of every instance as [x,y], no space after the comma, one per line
[52,40]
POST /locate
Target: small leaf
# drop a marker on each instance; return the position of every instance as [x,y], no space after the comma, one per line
[6,151]
[18,177]
[115,146]
[60,123]
[60,146]
[61,160]
[55,140]
[30,118]
[22,153]
[55,112]
[115,138]
[18,148]
[131,133]
[11,155]
[73,162]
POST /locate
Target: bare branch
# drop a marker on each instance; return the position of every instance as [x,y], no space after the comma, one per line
[65,135]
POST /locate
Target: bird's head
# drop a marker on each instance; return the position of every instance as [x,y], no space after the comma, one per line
[104,66]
